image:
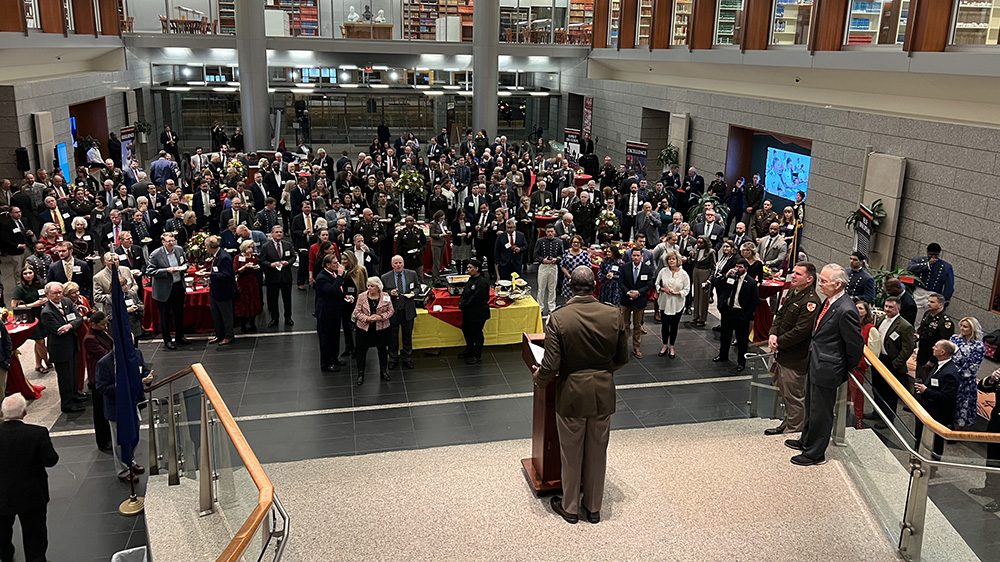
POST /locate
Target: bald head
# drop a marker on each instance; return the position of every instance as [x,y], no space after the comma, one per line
[581,281]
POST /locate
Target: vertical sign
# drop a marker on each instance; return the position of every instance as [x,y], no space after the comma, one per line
[588,114]
[127,136]
[572,150]
[863,230]
[635,158]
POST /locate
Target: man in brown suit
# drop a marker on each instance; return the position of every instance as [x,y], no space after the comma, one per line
[585,342]
[789,337]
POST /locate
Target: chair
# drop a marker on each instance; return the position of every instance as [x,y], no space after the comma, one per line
[165,24]
[128,24]
[204,25]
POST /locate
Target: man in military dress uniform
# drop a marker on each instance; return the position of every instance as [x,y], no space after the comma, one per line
[410,242]
[934,326]
[935,275]
[790,334]
[371,229]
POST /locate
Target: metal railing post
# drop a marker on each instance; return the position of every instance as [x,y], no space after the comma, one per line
[173,476]
[206,505]
[911,535]
[154,455]
[840,417]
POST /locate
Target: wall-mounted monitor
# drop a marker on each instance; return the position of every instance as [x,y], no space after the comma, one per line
[786,173]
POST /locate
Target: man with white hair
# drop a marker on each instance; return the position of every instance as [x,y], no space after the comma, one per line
[62,323]
[24,487]
[835,349]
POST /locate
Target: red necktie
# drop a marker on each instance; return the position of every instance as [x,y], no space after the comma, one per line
[822,313]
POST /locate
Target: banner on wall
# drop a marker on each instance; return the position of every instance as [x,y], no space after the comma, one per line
[588,115]
[635,158]
[127,136]
[572,150]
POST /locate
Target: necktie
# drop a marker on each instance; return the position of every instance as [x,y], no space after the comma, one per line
[206,203]
[68,267]
[117,243]
[277,248]
[309,222]
[399,281]
[826,306]
[236,216]
[635,274]
[57,219]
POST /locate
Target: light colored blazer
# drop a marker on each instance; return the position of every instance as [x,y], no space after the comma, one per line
[163,280]
[102,287]
[383,310]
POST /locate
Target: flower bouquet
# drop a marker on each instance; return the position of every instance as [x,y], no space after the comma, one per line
[235,165]
[411,182]
[196,247]
[607,222]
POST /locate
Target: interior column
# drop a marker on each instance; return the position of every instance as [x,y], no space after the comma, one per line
[251,47]
[485,68]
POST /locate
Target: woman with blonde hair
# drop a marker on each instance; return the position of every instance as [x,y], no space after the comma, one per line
[755,267]
[248,304]
[371,318]
[285,204]
[672,288]
[355,279]
[968,358]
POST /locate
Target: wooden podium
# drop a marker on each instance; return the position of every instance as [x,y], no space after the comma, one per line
[543,467]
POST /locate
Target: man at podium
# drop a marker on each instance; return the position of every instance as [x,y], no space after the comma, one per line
[585,342]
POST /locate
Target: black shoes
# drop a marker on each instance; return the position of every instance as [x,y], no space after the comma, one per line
[385,376]
[719,359]
[802,460]
[360,380]
[556,503]
[331,369]
[992,507]
[73,409]
[408,363]
[272,323]
[393,364]
[289,322]
[170,345]
[471,360]
[775,430]
[984,492]
[462,354]
[795,444]
[740,368]
[347,352]
[338,363]
[592,516]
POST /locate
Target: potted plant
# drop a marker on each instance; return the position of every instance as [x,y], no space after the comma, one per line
[697,207]
[668,157]
[878,215]
[142,130]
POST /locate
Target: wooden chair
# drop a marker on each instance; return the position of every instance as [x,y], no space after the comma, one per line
[165,24]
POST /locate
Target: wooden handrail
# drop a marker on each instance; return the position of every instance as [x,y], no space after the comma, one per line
[265,497]
[171,378]
[918,410]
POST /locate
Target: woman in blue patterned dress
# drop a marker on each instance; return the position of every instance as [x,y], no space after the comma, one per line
[968,358]
[611,277]
[574,257]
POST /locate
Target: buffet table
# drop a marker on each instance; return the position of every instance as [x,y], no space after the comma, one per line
[16,382]
[197,311]
[435,330]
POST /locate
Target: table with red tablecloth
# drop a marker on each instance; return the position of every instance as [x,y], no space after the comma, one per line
[16,382]
[582,179]
[436,329]
[197,311]
[763,316]
[449,306]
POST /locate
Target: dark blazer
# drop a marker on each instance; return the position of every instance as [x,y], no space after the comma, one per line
[406,309]
[908,307]
[27,452]
[747,297]
[940,396]
[81,276]
[222,279]
[61,347]
[199,206]
[299,238]
[897,346]
[793,324]
[506,256]
[475,300]
[245,218]
[269,254]
[642,284]
[329,295]
[9,240]
[836,345]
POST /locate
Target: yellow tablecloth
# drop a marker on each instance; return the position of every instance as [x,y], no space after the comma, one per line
[503,328]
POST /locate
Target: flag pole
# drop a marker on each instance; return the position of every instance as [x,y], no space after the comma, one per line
[134,505]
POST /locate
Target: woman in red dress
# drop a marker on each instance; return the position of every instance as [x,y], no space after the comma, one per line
[72,291]
[873,340]
[248,301]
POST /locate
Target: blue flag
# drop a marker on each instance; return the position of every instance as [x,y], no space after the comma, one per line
[128,380]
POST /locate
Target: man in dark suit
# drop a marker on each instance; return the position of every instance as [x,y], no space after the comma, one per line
[937,393]
[475,306]
[737,301]
[258,192]
[402,285]
[907,305]
[303,234]
[276,258]
[169,210]
[274,181]
[585,343]
[106,382]
[237,212]
[897,346]
[69,269]
[509,250]
[710,228]
[24,486]
[300,194]
[330,299]
[647,222]
[206,207]
[61,323]
[630,205]
[637,278]
[835,349]
[16,236]
[343,161]
[222,291]
[131,256]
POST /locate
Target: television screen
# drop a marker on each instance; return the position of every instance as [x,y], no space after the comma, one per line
[786,173]
[72,130]
[62,159]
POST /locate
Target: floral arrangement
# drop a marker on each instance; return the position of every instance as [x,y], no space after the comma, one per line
[411,182]
[4,314]
[237,166]
[544,209]
[607,222]
[196,246]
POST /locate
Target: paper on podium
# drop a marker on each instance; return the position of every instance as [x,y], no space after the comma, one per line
[538,352]
[532,349]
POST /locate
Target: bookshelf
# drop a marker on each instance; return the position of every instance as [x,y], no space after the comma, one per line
[303,17]
[727,21]
[977,22]
[420,18]
[682,15]
[614,22]
[904,16]
[644,23]
[865,22]
[581,12]
[227,17]
[791,22]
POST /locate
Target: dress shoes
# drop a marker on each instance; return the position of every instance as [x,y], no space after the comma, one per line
[717,329]
[740,368]
[384,375]
[984,492]
[347,352]
[802,460]
[330,369]
[672,354]
[720,359]
[183,341]
[795,444]
[592,516]
[775,430]
[73,409]
[272,323]
[471,360]
[662,353]
[170,345]
[992,507]
[637,353]
[407,363]
[105,449]
[127,476]
[289,322]
[393,364]
[462,354]
[138,468]
[338,363]
[360,380]
[225,342]
[556,503]
[213,341]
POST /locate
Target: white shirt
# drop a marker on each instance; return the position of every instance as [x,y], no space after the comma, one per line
[739,285]
[884,325]
[941,364]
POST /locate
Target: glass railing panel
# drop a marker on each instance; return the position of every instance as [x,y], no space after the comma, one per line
[188,430]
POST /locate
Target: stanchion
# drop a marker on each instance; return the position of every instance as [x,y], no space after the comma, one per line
[134,505]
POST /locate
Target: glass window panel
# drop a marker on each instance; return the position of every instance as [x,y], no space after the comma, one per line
[876,22]
[790,25]
[644,23]
[727,23]
[679,28]
[977,22]
[614,22]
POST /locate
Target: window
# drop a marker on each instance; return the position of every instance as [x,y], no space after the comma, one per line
[790,25]
[727,22]
[870,23]
[977,22]
[614,22]
[644,23]
[679,29]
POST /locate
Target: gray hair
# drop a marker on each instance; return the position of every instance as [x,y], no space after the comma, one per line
[212,242]
[51,286]
[949,346]
[581,281]
[14,407]
[512,222]
[79,221]
[375,281]
[838,274]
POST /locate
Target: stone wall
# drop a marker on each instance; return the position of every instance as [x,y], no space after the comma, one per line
[951,194]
